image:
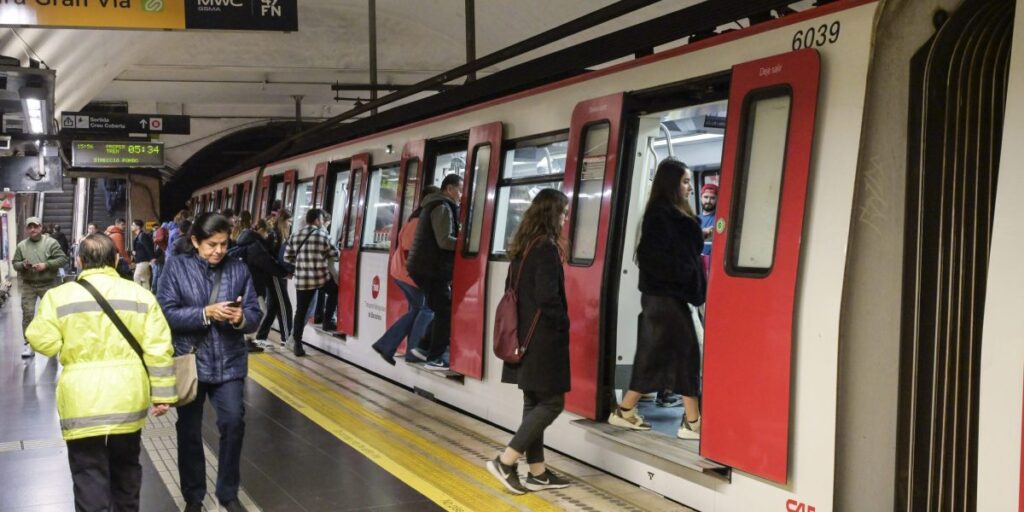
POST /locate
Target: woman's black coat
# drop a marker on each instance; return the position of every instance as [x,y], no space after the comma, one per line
[669,255]
[545,366]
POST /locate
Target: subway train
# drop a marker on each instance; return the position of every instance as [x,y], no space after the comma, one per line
[862,347]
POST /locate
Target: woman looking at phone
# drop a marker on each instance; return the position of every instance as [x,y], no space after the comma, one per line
[210,303]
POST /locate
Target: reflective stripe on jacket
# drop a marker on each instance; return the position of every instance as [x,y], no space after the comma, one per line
[104,389]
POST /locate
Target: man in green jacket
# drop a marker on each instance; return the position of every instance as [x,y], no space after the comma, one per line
[106,388]
[37,260]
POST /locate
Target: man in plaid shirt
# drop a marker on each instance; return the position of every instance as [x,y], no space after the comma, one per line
[308,250]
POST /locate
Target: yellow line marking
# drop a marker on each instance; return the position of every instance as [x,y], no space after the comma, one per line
[445,478]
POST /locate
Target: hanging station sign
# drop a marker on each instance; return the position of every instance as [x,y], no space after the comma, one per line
[271,15]
[73,122]
[116,155]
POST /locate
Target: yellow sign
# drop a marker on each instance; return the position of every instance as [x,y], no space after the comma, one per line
[137,14]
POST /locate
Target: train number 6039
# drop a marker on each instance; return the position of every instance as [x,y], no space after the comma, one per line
[816,36]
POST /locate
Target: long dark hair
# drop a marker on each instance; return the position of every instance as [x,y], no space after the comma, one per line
[665,188]
[205,226]
[540,220]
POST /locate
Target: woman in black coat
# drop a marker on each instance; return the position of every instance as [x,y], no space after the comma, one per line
[537,252]
[671,279]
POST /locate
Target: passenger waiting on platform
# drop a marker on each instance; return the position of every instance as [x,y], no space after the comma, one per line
[108,383]
[308,251]
[92,229]
[144,254]
[413,324]
[160,237]
[117,234]
[182,244]
[37,260]
[209,302]
[278,300]
[174,229]
[671,279]
[537,252]
[242,223]
[61,238]
[431,263]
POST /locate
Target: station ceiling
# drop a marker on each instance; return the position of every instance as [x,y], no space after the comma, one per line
[230,81]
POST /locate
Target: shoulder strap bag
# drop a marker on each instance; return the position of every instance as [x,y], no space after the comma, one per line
[506,319]
[186,382]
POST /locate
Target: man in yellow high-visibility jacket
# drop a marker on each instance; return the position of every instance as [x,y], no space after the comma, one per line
[104,392]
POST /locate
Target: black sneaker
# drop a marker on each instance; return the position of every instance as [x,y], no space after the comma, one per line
[390,359]
[252,347]
[548,480]
[298,350]
[193,507]
[233,506]
[507,475]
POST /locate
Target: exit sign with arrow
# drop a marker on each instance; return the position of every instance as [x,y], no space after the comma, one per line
[84,122]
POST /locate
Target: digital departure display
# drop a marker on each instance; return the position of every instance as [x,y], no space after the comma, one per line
[107,155]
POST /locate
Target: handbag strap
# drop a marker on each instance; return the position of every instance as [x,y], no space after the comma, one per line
[105,306]
[215,290]
[522,263]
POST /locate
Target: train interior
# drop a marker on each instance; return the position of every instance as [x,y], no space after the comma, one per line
[694,135]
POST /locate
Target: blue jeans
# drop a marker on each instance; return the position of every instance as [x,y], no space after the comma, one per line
[157,267]
[414,323]
[226,398]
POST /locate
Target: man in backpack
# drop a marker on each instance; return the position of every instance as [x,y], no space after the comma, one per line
[431,263]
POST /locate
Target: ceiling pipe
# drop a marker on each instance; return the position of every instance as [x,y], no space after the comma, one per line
[373,54]
[470,37]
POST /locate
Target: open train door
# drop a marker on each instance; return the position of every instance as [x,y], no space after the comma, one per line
[410,182]
[264,197]
[765,164]
[348,262]
[590,166]
[469,279]
[320,185]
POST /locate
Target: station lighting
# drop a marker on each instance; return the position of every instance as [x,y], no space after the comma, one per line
[697,137]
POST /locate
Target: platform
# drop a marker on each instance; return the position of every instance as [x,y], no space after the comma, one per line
[321,434]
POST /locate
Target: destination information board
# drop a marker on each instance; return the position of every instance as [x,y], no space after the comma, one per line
[108,155]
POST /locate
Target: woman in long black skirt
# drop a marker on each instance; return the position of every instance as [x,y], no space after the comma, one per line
[537,252]
[671,278]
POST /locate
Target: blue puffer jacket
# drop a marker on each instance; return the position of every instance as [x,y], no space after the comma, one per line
[184,290]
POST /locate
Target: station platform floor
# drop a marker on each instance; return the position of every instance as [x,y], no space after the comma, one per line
[320,434]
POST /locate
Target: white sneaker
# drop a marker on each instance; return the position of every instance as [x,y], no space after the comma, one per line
[631,420]
[27,352]
[418,354]
[289,344]
[267,345]
[689,430]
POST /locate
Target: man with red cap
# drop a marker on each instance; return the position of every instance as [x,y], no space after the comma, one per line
[708,202]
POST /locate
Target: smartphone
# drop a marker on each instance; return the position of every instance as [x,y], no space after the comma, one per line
[234,304]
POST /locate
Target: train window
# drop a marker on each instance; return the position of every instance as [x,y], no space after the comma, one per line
[353,211]
[412,171]
[381,208]
[303,203]
[477,196]
[449,163]
[529,167]
[338,204]
[589,191]
[761,162]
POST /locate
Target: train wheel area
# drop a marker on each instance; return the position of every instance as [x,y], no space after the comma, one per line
[320,435]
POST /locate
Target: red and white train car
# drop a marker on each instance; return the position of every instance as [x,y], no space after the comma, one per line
[862,349]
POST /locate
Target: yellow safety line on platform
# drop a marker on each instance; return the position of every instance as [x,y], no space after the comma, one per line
[442,476]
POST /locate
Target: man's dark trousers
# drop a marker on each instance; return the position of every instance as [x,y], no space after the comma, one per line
[106,471]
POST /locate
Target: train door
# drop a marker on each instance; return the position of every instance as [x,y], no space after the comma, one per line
[263,204]
[348,262]
[590,176]
[409,186]
[759,223]
[469,279]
